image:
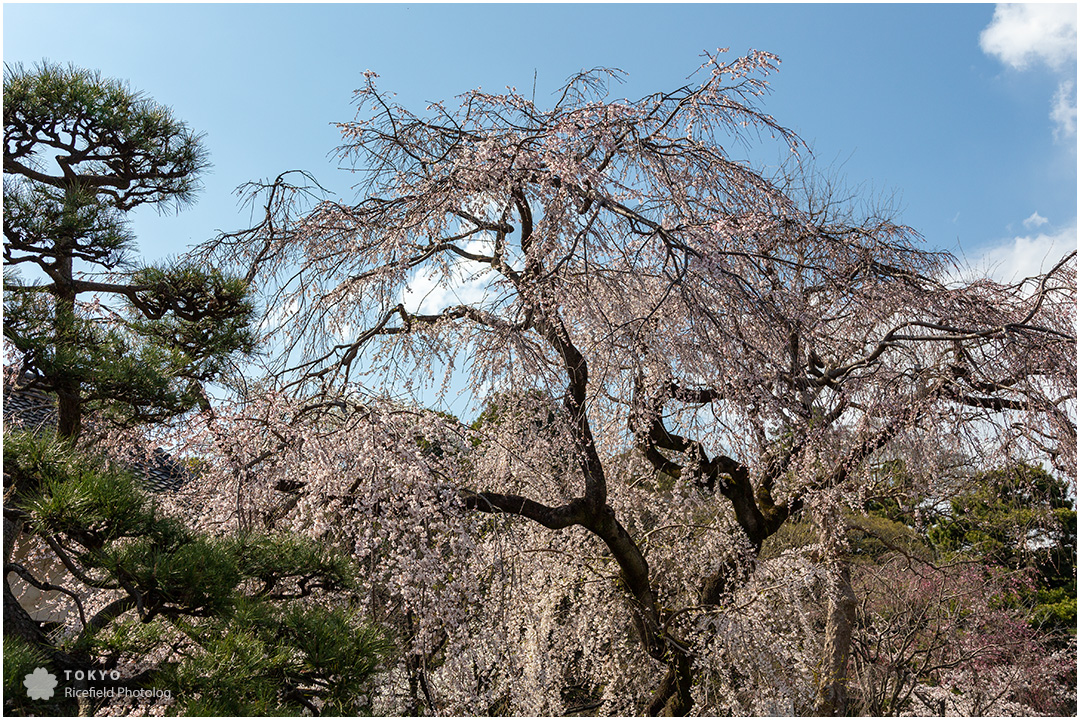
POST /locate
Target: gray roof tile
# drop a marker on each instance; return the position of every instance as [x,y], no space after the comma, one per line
[28,407]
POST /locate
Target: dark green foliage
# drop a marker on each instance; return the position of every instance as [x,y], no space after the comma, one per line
[200,312]
[80,151]
[1021,518]
[36,214]
[107,523]
[66,492]
[270,557]
[140,367]
[182,325]
[1015,516]
[290,659]
[20,659]
[235,615]
[240,607]
[115,140]
[873,535]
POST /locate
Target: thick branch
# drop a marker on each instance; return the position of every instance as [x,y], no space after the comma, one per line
[553,518]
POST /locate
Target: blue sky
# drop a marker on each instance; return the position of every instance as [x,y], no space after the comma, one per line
[963,115]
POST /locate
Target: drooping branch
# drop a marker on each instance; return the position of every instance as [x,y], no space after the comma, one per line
[760,344]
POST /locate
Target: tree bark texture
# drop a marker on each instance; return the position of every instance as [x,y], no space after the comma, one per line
[839,621]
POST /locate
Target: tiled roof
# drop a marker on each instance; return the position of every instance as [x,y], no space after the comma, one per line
[28,407]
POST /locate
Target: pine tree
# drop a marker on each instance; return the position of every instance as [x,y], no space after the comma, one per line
[227,624]
[257,624]
[1019,517]
[80,151]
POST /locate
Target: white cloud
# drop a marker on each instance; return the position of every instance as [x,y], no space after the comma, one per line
[1063,112]
[1024,34]
[430,292]
[1036,220]
[434,288]
[1022,256]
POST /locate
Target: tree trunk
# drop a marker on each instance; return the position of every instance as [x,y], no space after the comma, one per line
[64,380]
[672,698]
[838,626]
[839,621]
[68,392]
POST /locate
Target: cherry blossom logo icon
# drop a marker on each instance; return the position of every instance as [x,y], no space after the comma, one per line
[40,684]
